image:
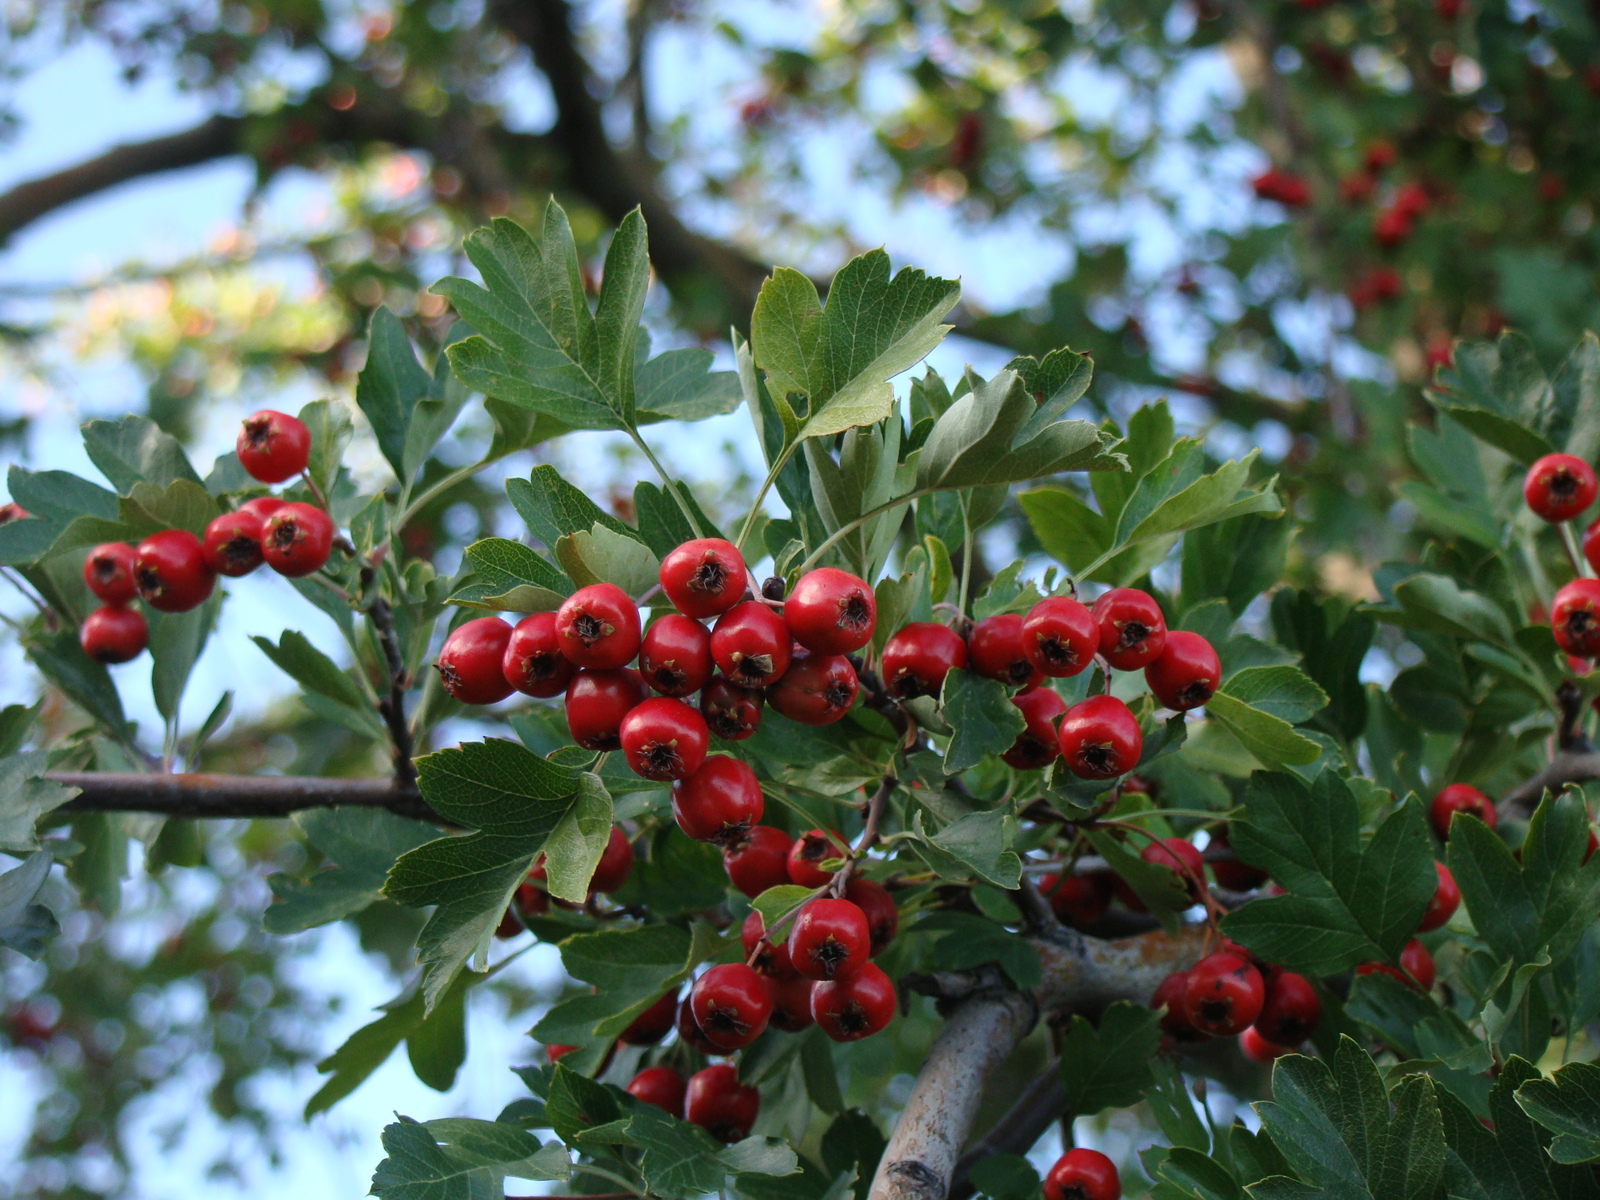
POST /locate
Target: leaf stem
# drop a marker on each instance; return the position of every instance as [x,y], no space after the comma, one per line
[440,485]
[1569,542]
[766,485]
[850,527]
[966,552]
[667,481]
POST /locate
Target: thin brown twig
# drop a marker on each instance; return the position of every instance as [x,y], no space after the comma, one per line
[869,834]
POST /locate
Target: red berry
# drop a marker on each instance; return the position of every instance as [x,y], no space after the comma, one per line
[759,860]
[731,1004]
[1559,486]
[469,664]
[528,901]
[1463,798]
[664,739]
[1132,630]
[533,662]
[675,656]
[1037,745]
[1575,618]
[1186,673]
[919,656]
[875,903]
[109,573]
[719,802]
[1180,857]
[1258,1049]
[1290,1009]
[273,446]
[661,1086]
[653,1024]
[1415,970]
[296,539]
[597,702]
[768,958]
[232,544]
[817,689]
[704,577]
[856,1006]
[1442,904]
[1060,637]
[791,1001]
[1100,739]
[689,1032]
[994,650]
[1591,545]
[732,712]
[1232,874]
[829,939]
[262,506]
[616,861]
[1380,155]
[598,627]
[1081,1174]
[751,645]
[809,849]
[113,634]
[1079,900]
[721,1105]
[169,569]
[1224,994]
[11,511]
[831,611]
[1391,227]
[1175,1023]
[555,1051]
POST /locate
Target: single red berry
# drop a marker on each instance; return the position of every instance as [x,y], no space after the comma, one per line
[994,650]
[768,958]
[731,1004]
[1559,486]
[1179,856]
[1290,1009]
[1175,1023]
[704,577]
[751,645]
[1037,746]
[855,1006]
[1415,970]
[791,1001]
[675,656]
[597,702]
[12,511]
[296,539]
[533,662]
[759,860]
[661,1086]
[1100,738]
[1132,630]
[831,611]
[169,569]
[1575,618]
[616,861]
[1463,798]
[1442,904]
[664,739]
[721,1105]
[1591,547]
[654,1023]
[1186,673]
[232,543]
[113,634]
[1233,874]
[875,903]
[918,657]
[1060,637]
[598,627]
[469,663]
[273,446]
[1258,1049]
[1224,994]
[108,571]
[689,1031]
[262,506]
[829,939]
[732,712]
[809,849]
[817,689]
[1079,900]
[555,1052]
[1082,1174]
[719,802]
[1391,226]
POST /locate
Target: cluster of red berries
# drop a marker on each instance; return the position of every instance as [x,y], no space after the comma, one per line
[1557,488]
[174,571]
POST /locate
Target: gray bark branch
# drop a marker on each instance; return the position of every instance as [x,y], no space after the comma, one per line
[220,796]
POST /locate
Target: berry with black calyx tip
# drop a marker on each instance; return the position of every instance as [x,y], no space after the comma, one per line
[917,658]
[1290,1009]
[855,1006]
[169,569]
[1575,618]
[1223,995]
[817,689]
[1456,798]
[994,650]
[703,577]
[1100,738]
[663,739]
[616,861]
[1231,873]
[1444,901]
[808,850]
[732,713]
[1037,746]
[273,446]
[1558,487]
[232,543]
[1078,900]
[731,1005]
[1060,637]
[717,1102]
[597,702]
[1132,630]
[758,860]
[767,957]
[791,1002]
[1082,1174]
[719,802]
[533,663]
[831,611]
[113,634]
[1258,1049]
[1175,1023]
[689,1030]
[1186,673]
[675,655]
[108,572]
[654,1023]
[879,908]
[598,627]
[661,1086]
[469,663]
[296,539]
[829,939]
[751,645]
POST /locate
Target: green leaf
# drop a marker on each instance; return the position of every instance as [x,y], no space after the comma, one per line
[26,927]
[84,681]
[1500,392]
[1568,1105]
[1234,560]
[853,1142]
[679,385]
[551,507]
[16,722]
[25,796]
[601,555]
[390,387]
[977,844]
[360,846]
[575,845]
[331,431]
[461,1159]
[662,523]
[777,901]
[1005,1177]
[983,717]
[316,672]
[1332,640]
[1075,535]
[1283,692]
[1109,1066]
[176,640]
[970,941]
[59,496]
[1162,891]
[1437,604]
[134,449]
[1271,739]
[510,577]
[1507,1161]
[181,504]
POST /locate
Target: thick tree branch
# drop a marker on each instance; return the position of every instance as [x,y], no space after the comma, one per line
[233,795]
[1041,1102]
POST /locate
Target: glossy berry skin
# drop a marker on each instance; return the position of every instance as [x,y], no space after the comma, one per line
[232,543]
[831,611]
[768,958]
[1444,901]
[751,645]
[1179,856]
[653,1024]
[703,578]
[597,702]
[1462,798]
[1132,630]
[616,861]
[810,848]
[1234,875]
[675,656]
[994,650]
[829,940]
[791,1001]
[262,506]
[1175,1023]
[1290,1009]
[469,663]
[759,860]
[1186,673]
[113,634]
[1060,637]
[854,1007]
[273,446]
[1036,746]
[663,739]
[1415,970]
[719,802]
[661,1086]
[732,713]
[1559,486]
[1078,900]
[598,627]
[817,689]
[918,657]
[533,663]
[1082,1174]
[296,539]
[879,908]
[1591,545]
[169,569]
[1575,618]
[1258,1049]
[689,1032]
[1099,738]
[721,1105]
[108,573]
[731,1004]
[1224,994]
